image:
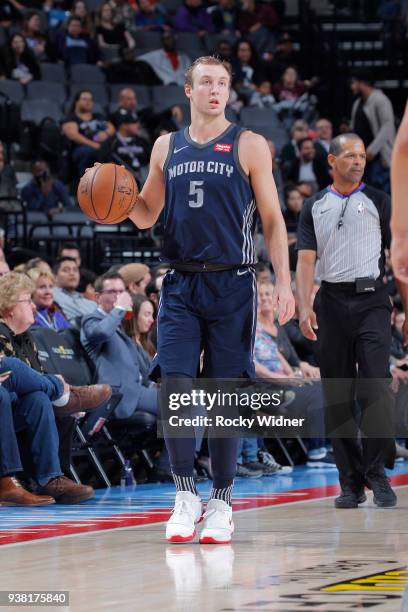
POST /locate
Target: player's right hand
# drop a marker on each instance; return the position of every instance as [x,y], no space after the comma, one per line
[124,300]
[308,323]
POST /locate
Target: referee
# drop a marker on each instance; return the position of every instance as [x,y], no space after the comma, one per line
[347,227]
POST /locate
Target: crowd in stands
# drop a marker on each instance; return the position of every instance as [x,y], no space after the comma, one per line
[115,312]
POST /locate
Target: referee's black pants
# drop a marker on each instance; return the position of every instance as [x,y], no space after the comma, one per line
[354,337]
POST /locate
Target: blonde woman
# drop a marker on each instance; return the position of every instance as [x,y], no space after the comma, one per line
[48,314]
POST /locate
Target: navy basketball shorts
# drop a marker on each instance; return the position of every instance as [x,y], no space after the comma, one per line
[214,312]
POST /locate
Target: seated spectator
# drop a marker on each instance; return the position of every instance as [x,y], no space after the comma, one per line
[111,35]
[116,357]
[72,303]
[294,204]
[127,102]
[128,147]
[224,50]
[86,285]
[75,47]
[324,131]
[87,131]
[167,63]
[8,181]
[136,277]
[36,263]
[25,404]
[284,56]
[80,10]
[308,167]
[36,38]
[44,192]
[47,314]
[70,249]
[262,96]
[11,11]
[246,69]
[275,357]
[290,151]
[193,17]
[139,326]
[149,18]
[55,12]
[289,88]
[258,22]
[224,16]
[18,62]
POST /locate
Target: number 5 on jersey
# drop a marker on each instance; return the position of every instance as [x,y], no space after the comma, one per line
[197,191]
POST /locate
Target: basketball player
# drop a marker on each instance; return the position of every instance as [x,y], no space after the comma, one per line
[212,179]
[399,191]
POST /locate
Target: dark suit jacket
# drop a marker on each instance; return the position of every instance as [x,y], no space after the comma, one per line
[319,168]
[115,356]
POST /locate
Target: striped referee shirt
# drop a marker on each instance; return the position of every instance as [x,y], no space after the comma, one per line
[348,232]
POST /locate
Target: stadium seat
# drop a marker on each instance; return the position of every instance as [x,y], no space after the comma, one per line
[211,40]
[190,44]
[35,111]
[52,72]
[87,74]
[278,135]
[259,116]
[38,90]
[148,40]
[13,90]
[165,96]
[143,94]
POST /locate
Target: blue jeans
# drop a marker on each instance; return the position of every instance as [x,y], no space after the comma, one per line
[248,450]
[10,462]
[32,394]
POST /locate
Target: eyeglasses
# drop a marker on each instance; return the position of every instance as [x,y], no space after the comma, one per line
[113,291]
[27,301]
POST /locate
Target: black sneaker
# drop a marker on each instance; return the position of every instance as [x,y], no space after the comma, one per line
[350,498]
[384,496]
[245,472]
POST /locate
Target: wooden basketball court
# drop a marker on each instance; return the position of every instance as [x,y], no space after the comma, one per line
[292,551]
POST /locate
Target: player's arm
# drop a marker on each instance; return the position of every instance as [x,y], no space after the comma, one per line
[150,201]
[256,161]
[399,190]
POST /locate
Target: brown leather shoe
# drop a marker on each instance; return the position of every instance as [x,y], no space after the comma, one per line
[12,493]
[85,398]
[66,491]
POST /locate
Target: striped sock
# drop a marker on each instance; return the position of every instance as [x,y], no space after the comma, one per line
[185,483]
[224,494]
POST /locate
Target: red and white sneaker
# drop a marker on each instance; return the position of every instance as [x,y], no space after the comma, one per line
[218,525]
[186,514]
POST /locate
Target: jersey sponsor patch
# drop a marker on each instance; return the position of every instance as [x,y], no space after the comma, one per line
[223,148]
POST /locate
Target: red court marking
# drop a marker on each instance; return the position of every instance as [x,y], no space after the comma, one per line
[158,515]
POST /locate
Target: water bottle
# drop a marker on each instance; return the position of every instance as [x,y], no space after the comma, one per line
[127,478]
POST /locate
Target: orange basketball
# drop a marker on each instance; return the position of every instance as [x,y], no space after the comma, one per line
[107,193]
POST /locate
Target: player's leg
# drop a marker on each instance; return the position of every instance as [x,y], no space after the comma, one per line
[177,360]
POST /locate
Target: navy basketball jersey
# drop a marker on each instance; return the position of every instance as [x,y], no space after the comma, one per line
[210,210]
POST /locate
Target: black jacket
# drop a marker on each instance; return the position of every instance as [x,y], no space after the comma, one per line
[21,346]
[319,168]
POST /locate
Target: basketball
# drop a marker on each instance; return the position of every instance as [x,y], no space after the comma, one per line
[106,193]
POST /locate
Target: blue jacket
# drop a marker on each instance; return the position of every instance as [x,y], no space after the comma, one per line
[114,355]
[36,200]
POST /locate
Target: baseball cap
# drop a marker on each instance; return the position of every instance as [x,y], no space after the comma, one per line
[125,116]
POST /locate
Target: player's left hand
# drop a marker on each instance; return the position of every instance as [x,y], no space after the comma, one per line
[399,258]
[283,302]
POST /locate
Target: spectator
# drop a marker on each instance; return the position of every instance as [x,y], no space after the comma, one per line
[308,167]
[87,131]
[111,35]
[372,118]
[290,151]
[167,63]
[193,17]
[258,22]
[149,18]
[246,69]
[18,62]
[8,182]
[75,47]
[44,192]
[136,277]
[138,328]
[128,147]
[324,131]
[55,12]
[127,103]
[262,96]
[86,284]
[225,18]
[72,303]
[80,10]
[294,203]
[36,263]
[114,354]
[289,88]
[224,50]
[48,314]
[285,54]
[36,39]
[70,250]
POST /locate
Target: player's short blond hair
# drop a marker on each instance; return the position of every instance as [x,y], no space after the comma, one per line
[207,60]
[12,286]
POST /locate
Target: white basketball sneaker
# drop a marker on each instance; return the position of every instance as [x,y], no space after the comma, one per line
[186,513]
[218,525]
